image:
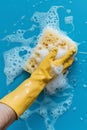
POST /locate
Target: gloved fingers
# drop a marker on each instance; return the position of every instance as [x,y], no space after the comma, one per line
[68,64]
[61,68]
[51,56]
[65,58]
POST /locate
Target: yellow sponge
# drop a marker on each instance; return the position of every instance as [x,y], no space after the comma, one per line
[49,39]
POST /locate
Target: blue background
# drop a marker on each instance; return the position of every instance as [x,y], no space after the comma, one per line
[10,12]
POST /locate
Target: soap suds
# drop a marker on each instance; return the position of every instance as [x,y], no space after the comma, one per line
[57,96]
[18,36]
[68,11]
[15,59]
[74,108]
[57,99]
[81,118]
[69,20]
[51,18]
[84,85]
[60,84]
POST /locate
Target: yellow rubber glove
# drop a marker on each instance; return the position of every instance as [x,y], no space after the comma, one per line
[23,96]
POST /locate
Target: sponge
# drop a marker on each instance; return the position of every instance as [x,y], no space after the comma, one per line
[49,39]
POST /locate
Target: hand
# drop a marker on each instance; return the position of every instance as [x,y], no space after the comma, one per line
[24,95]
[50,66]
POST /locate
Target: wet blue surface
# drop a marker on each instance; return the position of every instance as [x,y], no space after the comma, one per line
[13,10]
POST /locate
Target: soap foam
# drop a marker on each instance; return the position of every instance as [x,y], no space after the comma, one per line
[68,11]
[57,99]
[69,20]
[18,36]
[58,93]
[15,59]
[49,39]
[50,18]
[57,83]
